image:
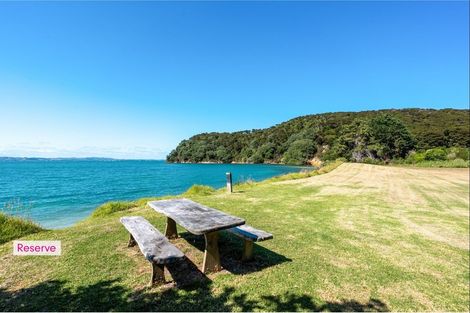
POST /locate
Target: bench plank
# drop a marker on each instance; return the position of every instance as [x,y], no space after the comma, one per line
[250,233]
[153,244]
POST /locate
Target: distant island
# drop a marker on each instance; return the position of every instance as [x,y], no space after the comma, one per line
[7,158]
[368,136]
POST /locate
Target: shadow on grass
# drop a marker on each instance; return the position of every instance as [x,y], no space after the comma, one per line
[231,248]
[111,295]
[186,273]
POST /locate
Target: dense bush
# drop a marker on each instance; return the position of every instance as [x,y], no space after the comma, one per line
[438,157]
[415,157]
[458,153]
[380,135]
[436,154]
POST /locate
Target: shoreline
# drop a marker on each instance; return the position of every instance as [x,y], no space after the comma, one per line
[241,163]
[180,194]
[166,180]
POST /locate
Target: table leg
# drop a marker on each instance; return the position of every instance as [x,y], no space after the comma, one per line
[170,231]
[247,250]
[211,254]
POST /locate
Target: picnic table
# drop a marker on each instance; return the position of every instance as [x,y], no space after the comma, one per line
[199,220]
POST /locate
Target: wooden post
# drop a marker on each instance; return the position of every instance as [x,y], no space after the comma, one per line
[229,182]
[211,261]
[170,231]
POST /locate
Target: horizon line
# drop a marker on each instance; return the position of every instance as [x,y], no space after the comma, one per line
[77,158]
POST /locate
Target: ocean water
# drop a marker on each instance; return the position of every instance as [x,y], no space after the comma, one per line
[58,193]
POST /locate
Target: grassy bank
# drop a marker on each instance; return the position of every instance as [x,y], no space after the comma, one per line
[326,168]
[361,237]
[14,227]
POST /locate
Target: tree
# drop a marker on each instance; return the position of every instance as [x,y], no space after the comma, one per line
[379,135]
[388,137]
[267,151]
[256,158]
[299,152]
[223,155]
[382,137]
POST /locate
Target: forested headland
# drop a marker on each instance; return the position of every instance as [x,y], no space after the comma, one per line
[368,136]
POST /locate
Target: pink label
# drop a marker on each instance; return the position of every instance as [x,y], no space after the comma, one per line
[37,247]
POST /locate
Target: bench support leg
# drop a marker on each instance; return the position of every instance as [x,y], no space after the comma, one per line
[131,242]
[158,274]
[170,231]
[247,250]
[211,254]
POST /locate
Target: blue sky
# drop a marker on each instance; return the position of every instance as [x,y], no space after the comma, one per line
[130,80]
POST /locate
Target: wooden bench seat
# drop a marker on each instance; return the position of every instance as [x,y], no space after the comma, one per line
[154,245]
[250,235]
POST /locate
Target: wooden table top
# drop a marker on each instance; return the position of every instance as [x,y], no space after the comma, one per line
[194,217]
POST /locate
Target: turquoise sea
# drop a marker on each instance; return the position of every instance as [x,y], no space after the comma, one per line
[58,193]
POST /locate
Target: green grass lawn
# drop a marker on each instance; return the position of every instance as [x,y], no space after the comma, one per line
[362,237]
